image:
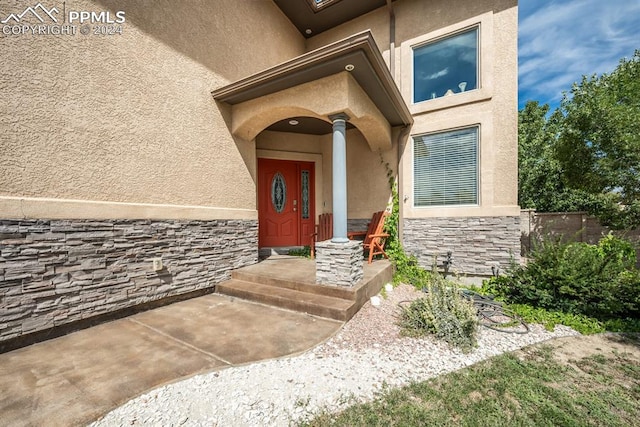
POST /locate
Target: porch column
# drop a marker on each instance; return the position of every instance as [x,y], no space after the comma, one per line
[339,178]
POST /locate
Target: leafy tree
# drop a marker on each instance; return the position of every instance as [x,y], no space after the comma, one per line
[539,178]
[598,145]
[586,155]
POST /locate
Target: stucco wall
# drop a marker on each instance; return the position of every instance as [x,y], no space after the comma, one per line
[483,235]
[130,118]
[493,107]
[376,21]
[122,128]
[341,93]
[368,187]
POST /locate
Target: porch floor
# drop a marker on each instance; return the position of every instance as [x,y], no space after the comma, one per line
[290,282]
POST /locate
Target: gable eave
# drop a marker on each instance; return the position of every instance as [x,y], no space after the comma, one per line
[358,50]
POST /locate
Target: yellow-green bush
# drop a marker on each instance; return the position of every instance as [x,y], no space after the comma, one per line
[443,312]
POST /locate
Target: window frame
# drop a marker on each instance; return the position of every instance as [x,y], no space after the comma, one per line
[485,54]
[440,39]
[478,163]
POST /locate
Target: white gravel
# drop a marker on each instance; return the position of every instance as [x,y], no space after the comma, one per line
[363,358]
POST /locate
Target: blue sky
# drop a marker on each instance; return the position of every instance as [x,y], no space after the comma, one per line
[559,41]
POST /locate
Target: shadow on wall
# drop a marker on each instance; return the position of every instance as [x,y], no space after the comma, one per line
[247,149]
[368,185]
[218,33]
[231,38]
[446,13]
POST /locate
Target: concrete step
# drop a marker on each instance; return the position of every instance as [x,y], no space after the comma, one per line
[294,284]
[297,300]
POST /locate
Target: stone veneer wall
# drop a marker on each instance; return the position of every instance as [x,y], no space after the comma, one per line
[339,264]
[476,243]
[360,224]
[54,272]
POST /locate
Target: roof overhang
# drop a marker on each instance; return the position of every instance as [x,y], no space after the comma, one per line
[312,17]
[360,51]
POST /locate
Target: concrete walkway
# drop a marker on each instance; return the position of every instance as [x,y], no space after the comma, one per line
[77,378]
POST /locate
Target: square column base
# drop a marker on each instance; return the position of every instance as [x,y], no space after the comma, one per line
[339,264]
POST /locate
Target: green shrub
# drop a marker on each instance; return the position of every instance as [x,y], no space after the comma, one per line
[623,325]
[549,319]
[407,269]
[443,312]
[579,322]
[621,252]
[406,266]
[302,252]
[599,281]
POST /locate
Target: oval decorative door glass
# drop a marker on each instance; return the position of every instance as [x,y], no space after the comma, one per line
[278,192]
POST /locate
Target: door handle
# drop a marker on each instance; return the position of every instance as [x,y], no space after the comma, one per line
[295,205]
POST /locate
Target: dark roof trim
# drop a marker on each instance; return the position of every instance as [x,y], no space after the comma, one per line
[359,50]
[311,20]
[318,5]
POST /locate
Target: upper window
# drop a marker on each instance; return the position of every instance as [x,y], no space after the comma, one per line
[445,168]
[446,66]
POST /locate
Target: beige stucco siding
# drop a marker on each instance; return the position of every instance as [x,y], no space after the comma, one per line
[368,188]
[376,21]
[129,118]
[493,106]
[505,99]
[340,94]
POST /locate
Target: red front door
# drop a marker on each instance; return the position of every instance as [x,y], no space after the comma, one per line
[285,202]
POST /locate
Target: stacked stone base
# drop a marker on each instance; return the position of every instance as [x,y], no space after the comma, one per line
[339,264]
[57,272]
[477,243]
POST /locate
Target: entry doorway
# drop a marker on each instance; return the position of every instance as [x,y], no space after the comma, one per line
[286,202]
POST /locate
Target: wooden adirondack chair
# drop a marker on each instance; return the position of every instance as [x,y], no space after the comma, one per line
[324,231]
[374,237]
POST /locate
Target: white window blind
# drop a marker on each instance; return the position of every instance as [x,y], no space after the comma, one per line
[445,168]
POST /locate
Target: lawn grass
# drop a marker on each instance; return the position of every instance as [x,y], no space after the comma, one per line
[527,388]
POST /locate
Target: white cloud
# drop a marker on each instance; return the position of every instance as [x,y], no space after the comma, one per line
[562,40]
[437,74]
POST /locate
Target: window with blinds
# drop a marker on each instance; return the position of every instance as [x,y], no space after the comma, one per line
[445,168]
